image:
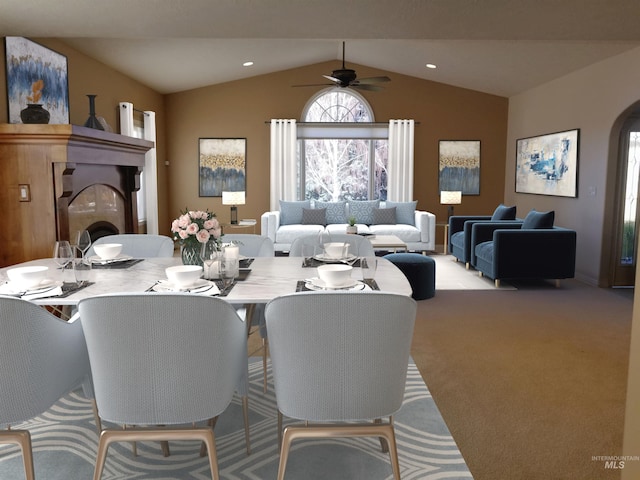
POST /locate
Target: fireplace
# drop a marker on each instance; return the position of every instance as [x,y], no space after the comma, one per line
[58,179]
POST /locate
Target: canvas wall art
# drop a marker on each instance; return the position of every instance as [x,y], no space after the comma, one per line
[548,164]
[36,75]
[222,165]
[459,167]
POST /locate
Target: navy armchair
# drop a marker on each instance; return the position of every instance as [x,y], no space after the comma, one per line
[509,251]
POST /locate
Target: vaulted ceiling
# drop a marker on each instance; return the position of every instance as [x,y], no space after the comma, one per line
[501,47]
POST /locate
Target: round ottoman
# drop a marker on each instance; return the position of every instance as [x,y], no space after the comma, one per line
[420,270]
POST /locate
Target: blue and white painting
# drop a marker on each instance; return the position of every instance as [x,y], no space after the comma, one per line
[222,165]
[548,164]
[29,64]
[459,168]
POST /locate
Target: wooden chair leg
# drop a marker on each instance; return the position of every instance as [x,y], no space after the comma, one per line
[211,423]
[265,350]
[22,438]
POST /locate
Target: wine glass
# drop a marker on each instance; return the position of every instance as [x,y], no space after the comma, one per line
[62,254]
[83,241]
[209,255]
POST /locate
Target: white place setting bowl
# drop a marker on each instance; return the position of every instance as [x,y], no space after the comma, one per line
[335,275]
[336,249]
[183,276]
[108,251]
[28,277]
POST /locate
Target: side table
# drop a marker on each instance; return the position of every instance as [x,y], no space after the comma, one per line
[446,236]
[246,227]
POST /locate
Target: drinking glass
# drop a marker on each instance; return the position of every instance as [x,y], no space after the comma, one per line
[210,258]
[82,271]
[368,266]
[83,241]
[229,270]
[62,253]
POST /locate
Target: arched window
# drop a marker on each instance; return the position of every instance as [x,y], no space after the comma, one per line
[343,156]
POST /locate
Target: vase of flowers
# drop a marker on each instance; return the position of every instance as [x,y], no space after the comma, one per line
[193,228]
[34,113]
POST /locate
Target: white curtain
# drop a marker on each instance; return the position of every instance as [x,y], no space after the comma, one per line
[400,180]
[284,162]
[148,194]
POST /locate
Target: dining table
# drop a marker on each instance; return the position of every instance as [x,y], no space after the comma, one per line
[265,279]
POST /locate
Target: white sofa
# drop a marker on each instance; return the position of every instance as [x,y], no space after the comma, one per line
[416,228]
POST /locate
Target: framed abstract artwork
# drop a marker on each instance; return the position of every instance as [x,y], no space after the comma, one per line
[36,75]
[222,165]
[459,166]
[548,164]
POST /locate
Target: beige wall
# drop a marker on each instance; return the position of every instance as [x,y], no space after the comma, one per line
[592,99]
[88,76]
[241,108]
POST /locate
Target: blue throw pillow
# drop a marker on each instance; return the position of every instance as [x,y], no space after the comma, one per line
[503,212]
[291,212]
[336,212]
[405,211]
[363,210]
[384,216]
[314,216]
[538,219]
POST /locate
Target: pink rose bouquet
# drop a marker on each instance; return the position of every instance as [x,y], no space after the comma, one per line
[194,228]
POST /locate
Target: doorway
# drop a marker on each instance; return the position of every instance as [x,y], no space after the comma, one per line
[627,211]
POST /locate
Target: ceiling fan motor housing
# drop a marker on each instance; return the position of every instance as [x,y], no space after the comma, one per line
[345,75]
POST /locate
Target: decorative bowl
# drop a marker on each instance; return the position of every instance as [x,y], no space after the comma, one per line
[336,249]
[107,251]
[184,275]
[335,275]
[28,277]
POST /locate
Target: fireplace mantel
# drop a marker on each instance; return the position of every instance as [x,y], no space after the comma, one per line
[43,168]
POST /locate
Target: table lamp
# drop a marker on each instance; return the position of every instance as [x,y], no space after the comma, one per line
[233,199]
[450,198]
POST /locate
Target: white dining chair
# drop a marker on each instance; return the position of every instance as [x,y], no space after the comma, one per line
[339,362]
[42,358]
[139,245]
[178,363]
[303,246]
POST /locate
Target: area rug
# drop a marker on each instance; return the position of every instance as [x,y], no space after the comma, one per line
[65,442]
[452,275]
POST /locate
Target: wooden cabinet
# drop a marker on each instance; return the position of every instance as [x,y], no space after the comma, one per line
[44,167]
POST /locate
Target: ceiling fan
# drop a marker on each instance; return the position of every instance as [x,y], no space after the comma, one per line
[346,77]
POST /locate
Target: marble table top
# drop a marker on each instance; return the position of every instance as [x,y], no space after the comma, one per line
[270,277]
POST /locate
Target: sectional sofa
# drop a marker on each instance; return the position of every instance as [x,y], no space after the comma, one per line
[416,228]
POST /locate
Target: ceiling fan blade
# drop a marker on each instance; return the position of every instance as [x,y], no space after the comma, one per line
[370,80]
[371,88]
[315,85]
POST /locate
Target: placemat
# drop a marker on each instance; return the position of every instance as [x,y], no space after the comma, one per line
[115,265]
[71,287]
[314,262]
[302,287]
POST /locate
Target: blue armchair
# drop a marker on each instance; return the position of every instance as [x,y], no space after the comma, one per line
[460,230]
[511,251]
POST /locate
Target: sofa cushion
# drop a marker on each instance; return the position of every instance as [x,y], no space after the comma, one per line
[336,211]
[538,220]
[484,250]
[314,216]
[291,212]
[406,233]
[457,239]
[288,233]
[384,216]
[363,210]
[405,211]
[502,212]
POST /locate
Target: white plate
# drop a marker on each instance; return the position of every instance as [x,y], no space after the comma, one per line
[316,283]
[101,261]
[12,288]
[200,284]
[323,257]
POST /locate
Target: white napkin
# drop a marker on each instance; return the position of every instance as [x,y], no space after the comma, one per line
[52,290]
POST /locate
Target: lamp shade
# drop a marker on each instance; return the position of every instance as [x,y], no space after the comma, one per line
[233,198]
[448,197]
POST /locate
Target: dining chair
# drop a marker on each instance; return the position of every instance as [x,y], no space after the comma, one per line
[255,246]
[139,245]
[339,360]
[178,363]
[42,358]
[304,246]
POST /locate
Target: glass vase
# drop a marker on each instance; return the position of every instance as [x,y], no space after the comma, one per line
[191,254]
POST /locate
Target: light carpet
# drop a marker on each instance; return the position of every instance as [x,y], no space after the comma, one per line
[452,275]
[65,444]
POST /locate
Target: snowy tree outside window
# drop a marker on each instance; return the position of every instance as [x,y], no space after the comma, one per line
[350,167]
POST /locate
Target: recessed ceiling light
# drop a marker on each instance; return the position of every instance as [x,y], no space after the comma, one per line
[430,65]
[247,64]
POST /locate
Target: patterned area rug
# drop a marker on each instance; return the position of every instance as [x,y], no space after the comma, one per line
[65,442]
